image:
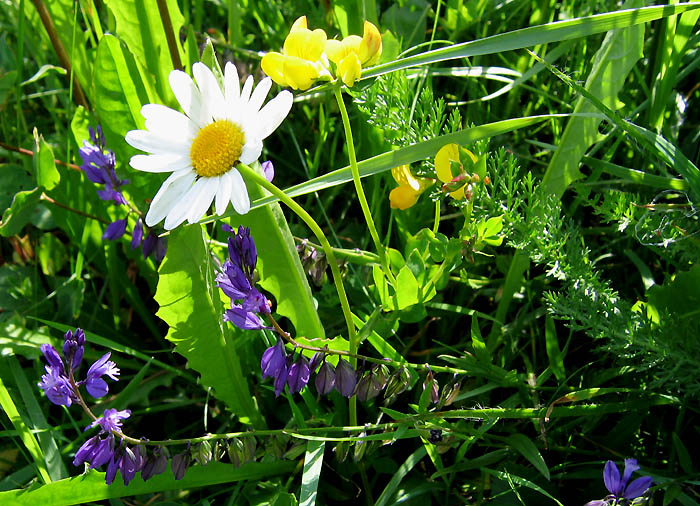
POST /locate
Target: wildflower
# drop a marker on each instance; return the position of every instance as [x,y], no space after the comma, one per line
[202,147]
[98,165]
[115,230]
[155,463]
[95,385]
[96,451]
[302,60]
[409,189]
[619,487]
[273,360]
[180,463]
[236,280]
[298,375]
[126,460]
[325,379]
[450,169]
[137,234]
[268,169]
[111,420]
[156,245]
[73,347]
[57,387]
[352,53]
[345,378]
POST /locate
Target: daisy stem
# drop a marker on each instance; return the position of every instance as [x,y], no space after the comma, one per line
[251,175]
[358,186]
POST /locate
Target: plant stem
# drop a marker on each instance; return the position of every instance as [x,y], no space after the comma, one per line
[169,34]
[358,186]
[73,210]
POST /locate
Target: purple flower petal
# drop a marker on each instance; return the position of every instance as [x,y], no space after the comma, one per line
[268,170]
[345,378]
[630,467]
[137,234]
[611,477]
[53,358]
[637,487]
[243,319]
[298,375]
[325,379]
[115,230]
[273,359]
[97,387]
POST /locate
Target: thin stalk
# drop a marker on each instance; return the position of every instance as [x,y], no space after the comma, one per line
[46,20]
[169,34]
[358,186]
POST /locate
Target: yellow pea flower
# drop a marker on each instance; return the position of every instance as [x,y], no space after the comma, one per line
[354,52]
[409,189]
[448,157]
[302,60]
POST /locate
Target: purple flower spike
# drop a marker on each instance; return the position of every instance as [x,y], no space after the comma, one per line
[298,375]
[96,386]
[274,358]
[98,165]
[73,348]
[345,378]
[115,230]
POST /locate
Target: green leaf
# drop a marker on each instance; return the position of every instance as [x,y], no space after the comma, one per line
[535,36]
[556,361]
[617,55]
[279,266]
[682,454]
[43,71]
[527,449]
[190,304]
[406,289]
[522,482]
[313,461]
[140,26]
[92,487]
[20,212]
[399,475]
[480,350]
[47,175]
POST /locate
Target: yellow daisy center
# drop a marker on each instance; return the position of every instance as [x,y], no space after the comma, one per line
[217,148]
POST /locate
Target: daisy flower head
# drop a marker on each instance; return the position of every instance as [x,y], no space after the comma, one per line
[201,148]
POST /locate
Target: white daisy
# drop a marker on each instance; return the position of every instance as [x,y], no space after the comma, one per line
[202,147]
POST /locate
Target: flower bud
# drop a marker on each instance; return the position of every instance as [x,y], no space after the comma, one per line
[203,453]
[341,450]
[345,378]
[325,379]
[398,383]
[180,463]
[298,375]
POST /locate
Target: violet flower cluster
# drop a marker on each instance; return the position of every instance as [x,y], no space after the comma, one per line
[622,491]
[237,281]
[99,167]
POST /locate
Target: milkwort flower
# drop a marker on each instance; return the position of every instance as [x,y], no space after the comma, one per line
[98,165]
[201,148]
[619,486]
[236,280]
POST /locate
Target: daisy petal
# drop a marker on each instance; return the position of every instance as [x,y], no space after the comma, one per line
[160,163]
[274,113]
[232,86]
[259,95]
[152,143]
[239,196]
[202,198]
[212,98]
[247,89]
[188,96]
[223,195]
[251,151]
[169,195]
[160,118]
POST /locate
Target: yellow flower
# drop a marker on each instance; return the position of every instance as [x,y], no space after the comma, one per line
[302,60]
[409,189]
[450,169]
[352,53]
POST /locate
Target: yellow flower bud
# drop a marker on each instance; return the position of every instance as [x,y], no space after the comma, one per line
[402,197]
[371,46]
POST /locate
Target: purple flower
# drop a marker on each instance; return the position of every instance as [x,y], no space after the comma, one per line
[96,451]
[298,375]
[57,387]
[180,463]
[345,378]
[233,281]
[73,348]
[268,169]
[243,319]
[281,379]
[137,234]
[53,358]
[126,460]
[115,230]
[98,165]
[273,360]
[619,486]
[242,250]
[160,249]
[155,463]
[325,379]
[111,420]
[96,386]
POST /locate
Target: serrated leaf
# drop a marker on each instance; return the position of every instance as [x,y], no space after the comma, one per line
[527,449]
[190,304]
